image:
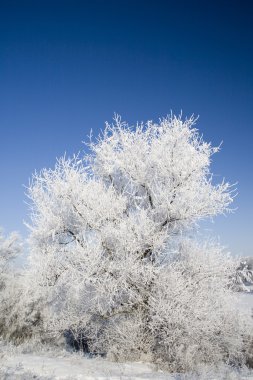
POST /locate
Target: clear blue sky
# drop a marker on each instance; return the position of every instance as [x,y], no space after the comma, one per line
[67,66]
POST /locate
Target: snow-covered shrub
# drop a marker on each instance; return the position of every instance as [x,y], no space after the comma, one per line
[9,249]
[21,311]
[20,306]
[104,251]
[244,275]
[194,311]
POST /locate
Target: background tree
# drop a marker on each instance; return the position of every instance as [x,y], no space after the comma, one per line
[10,247]
[110,254]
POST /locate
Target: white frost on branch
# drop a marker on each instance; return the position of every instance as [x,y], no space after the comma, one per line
[10,247]
[102,229]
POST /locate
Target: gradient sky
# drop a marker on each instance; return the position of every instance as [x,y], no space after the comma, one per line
[67,66]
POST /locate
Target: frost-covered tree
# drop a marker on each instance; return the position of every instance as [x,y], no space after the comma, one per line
[10,247]
[20,305]
[109,250]
[244,275]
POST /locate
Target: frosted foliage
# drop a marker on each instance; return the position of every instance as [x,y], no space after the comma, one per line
[194,314]
[102,233]
[160,167]
[20,305]
[9,249]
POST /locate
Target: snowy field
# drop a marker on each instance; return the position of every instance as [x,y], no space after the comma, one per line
[75,367]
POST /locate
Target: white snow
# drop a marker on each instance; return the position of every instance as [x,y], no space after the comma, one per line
[78,367]
[53,366]
[246,302]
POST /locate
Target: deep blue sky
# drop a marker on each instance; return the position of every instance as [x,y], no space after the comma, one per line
[67,66]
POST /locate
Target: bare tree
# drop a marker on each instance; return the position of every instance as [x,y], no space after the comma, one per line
[10,247]
[109,247]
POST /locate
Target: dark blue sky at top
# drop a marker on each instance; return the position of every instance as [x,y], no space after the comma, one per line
[67,66]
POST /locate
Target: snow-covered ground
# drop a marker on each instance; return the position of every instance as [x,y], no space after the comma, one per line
[76,367]
[62,365]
